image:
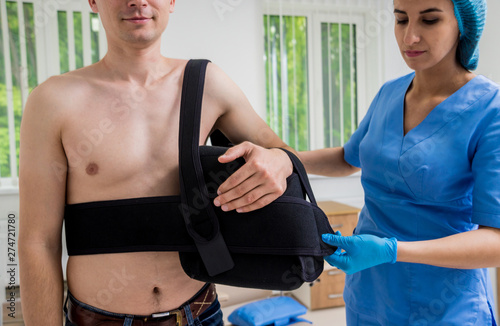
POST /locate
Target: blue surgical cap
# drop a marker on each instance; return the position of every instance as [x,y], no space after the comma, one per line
[471,17]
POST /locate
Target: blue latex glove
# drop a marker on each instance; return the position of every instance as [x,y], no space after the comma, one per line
[360,251]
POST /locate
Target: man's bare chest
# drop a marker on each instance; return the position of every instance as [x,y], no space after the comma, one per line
[118,128]
[126,140]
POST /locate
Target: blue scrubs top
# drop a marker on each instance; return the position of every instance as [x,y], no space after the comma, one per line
[441,178]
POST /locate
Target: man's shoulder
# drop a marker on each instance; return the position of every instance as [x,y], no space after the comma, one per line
[54,94]
[62,85]
[219,85]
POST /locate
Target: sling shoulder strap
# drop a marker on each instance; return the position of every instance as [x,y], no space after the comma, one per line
[201,221]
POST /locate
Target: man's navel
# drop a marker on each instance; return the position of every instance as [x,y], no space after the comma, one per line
[92,168]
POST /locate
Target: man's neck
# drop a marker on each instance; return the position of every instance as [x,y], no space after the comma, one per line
[141,66]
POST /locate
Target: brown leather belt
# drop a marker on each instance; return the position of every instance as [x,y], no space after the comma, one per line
[84,315]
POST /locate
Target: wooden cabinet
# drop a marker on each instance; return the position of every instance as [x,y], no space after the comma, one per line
[342,217]
[327,290]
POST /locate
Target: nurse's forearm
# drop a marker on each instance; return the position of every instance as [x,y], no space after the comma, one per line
[474,249]
[329,162]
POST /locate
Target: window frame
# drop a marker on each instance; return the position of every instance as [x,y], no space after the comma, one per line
[344,15]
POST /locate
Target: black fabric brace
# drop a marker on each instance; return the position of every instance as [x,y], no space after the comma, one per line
[126,225]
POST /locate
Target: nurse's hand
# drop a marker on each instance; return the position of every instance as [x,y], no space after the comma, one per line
[360,251]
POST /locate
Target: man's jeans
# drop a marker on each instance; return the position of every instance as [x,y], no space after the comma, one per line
[210,317]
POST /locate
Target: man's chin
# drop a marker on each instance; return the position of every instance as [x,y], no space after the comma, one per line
[140,38]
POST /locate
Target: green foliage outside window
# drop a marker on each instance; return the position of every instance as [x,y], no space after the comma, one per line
[29,26]
[78,32]
[94,36]
[15,58]
[63,41]
[339,83]
[286,65]
[4,133]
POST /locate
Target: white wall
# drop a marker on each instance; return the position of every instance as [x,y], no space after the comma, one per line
[230,36]
[489,56]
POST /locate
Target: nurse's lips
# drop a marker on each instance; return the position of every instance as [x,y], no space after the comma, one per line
[413,53]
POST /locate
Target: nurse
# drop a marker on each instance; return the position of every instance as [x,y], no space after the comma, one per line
[429,151]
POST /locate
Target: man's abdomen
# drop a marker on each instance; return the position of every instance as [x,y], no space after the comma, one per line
[138,283]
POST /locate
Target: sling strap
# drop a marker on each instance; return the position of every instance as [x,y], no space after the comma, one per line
[201,222]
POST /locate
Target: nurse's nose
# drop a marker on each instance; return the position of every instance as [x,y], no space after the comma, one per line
[412,34]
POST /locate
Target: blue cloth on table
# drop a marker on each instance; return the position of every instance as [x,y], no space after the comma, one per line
[277,311]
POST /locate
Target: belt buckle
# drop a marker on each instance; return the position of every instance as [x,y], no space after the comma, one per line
[177,313]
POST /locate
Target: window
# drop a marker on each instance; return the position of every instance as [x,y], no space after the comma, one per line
[338,53]
[27,58]
[18,56]
[312,66]
[287,78]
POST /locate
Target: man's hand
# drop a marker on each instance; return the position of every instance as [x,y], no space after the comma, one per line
[359,252]
[258,182]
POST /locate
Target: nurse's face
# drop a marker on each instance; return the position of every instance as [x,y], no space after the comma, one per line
[427,32]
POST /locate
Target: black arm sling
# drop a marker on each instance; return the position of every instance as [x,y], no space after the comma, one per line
[277,247]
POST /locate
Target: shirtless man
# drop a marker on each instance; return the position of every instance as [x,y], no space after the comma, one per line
[109,132]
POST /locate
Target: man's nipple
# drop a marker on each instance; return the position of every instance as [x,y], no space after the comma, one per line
[92,168]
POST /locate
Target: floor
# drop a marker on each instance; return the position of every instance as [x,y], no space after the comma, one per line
[322,317]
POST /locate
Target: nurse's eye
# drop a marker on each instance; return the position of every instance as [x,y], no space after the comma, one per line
[430,21]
